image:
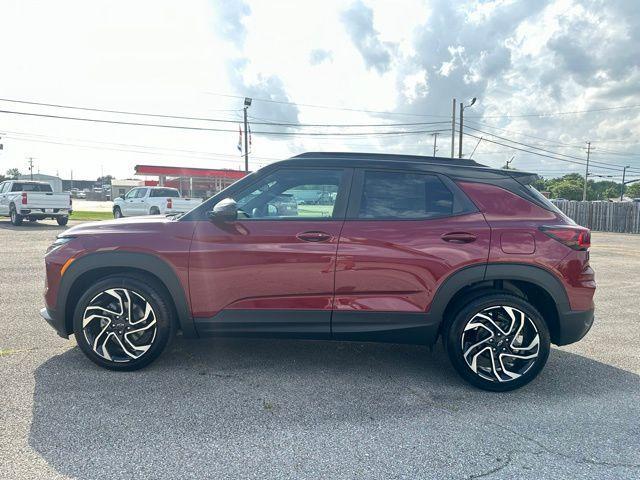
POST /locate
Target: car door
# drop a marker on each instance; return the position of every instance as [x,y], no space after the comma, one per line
[405,232]
[271,271]
[139,206]
[127,204]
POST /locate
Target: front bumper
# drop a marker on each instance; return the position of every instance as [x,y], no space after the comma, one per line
[55,322]
[573,325]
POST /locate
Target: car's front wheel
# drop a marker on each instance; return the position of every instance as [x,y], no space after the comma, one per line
[497,342]
[117,213]
[123,322]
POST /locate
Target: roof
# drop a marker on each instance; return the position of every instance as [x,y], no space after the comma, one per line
[458,167]
[464,162]
[188,172]
[26,180]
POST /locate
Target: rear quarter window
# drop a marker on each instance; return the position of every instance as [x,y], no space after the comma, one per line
[165,192]
[31,187]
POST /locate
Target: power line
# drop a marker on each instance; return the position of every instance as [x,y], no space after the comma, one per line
[208,129]
[553,114]
[538,114]
[533,153]
[208,119]
[543,149]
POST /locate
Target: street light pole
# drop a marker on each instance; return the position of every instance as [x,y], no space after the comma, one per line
[247,104]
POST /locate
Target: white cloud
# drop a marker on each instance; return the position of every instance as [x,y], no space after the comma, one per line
[175,57]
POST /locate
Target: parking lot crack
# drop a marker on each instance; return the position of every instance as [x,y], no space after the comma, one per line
[588,461]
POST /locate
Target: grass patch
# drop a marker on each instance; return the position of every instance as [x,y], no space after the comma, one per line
[90,216]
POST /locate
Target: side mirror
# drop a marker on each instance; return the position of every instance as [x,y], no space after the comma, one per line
[225,210]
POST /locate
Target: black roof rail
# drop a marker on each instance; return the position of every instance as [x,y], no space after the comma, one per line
[462,162]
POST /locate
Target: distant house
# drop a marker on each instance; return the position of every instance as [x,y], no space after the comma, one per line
[55,182]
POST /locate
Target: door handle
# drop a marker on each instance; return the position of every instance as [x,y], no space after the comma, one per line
[459,237]
[313,236]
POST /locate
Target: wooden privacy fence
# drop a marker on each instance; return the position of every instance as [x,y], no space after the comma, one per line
[621,217]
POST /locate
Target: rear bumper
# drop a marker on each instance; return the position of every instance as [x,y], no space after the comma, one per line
[39,213]
[573,325]
[56,323]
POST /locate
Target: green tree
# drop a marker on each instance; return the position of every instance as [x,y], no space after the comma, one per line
[632,190]
[13,173]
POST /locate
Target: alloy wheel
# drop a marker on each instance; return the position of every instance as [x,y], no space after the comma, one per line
[119,325]
[500,343]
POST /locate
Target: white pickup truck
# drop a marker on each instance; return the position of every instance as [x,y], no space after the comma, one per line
[20,199]
[152,201]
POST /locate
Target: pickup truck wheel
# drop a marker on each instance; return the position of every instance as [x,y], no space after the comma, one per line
[62,221]
[123,322]
[16,218]
[154,211]
[497,342]
[117,213]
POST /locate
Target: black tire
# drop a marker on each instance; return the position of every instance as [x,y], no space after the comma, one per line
[154,211]
[117,213]
[143,287]
[498,379]
[16,218]
[62,221]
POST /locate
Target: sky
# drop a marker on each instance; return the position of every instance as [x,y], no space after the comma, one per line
[531,64]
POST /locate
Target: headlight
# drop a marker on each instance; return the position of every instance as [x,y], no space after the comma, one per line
[60,241]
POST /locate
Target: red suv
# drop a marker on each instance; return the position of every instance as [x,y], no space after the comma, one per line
[402,249]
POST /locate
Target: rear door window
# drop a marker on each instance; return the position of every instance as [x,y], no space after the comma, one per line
[391,195]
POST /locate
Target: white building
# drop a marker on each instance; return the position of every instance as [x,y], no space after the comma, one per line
[55,182]
[121,187]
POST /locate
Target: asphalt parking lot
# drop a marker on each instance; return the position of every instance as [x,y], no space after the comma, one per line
[292,409]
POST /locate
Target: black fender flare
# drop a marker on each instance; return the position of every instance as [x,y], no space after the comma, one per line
[467,276]
[146,262]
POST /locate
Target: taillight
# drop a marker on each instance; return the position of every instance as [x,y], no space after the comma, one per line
[577,238]
[169,203]
[24,198]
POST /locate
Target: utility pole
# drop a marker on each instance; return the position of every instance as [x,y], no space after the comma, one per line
[460,132]
[435,142]
[462,107]
[453,129]
[586,173]
[624,172]
[247,104]
[31,168]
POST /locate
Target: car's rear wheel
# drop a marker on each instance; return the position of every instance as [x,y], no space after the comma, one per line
[154,211]
[16,218]
[117,213]
[62,221]
[123,322]
[497,342]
